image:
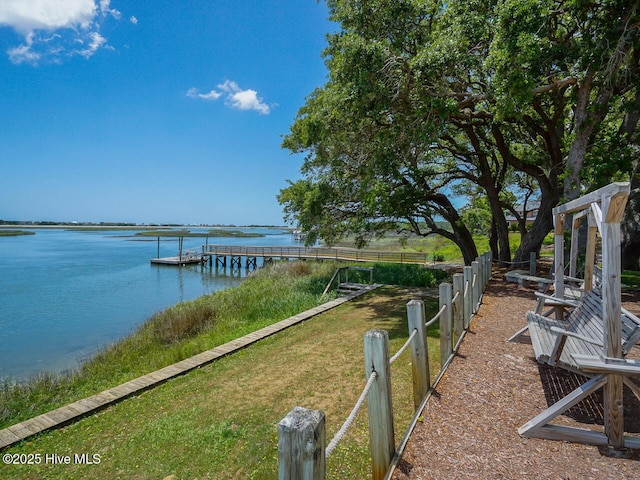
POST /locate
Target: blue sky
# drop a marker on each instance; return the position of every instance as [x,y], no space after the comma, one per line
[153,111]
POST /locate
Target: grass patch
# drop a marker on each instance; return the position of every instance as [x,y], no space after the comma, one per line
[210,233]
[631,279]
[14,233]
[169,233]
[234,233]
[221,421]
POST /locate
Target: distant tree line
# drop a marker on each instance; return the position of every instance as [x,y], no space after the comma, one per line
[511,101]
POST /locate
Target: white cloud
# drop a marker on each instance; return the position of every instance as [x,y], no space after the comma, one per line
[73,21]
[23,53]
[95,42]
[212,95]
[235,97]
[133,20]
[27,15]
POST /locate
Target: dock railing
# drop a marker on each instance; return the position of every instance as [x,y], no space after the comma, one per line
[302,449]
[320,253]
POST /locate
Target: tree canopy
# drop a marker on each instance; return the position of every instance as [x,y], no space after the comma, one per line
[517,99]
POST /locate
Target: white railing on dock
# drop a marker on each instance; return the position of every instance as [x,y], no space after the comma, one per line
[301,434]
[321,253]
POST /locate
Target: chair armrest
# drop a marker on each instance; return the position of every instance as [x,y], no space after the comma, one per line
[562,331]
[561,301]
[607,365]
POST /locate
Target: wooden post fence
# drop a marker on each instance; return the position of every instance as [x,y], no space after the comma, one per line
[532,264]
[419,351]
[468,299]
[301,434]
[475,268]
[458,305]
[301,445]
[379,407]
[446,344]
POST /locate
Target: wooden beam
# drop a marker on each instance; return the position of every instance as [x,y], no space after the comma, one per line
[617,204]
[611,311]
[419,351]
[591,252]
[532,427]
[379,406]
[611,190]
[558,256]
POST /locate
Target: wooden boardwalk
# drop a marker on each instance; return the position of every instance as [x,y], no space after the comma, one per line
[86,406]
[318,253]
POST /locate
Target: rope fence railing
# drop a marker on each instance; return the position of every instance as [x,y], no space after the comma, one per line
[302,452]
[345,426]
[404,347]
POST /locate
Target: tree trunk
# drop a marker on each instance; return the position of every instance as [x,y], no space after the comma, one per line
[499,225]
[461,235]
[543,224]
[578,149]
[631,225]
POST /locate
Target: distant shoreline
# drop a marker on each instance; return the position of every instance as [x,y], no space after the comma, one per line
[83,226]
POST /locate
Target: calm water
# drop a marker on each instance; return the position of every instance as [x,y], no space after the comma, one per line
[64,294]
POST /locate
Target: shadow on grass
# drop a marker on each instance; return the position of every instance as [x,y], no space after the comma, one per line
[388,304]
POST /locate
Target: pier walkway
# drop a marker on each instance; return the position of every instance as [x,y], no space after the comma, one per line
[221,252]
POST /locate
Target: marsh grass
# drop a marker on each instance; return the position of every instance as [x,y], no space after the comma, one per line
[14,233]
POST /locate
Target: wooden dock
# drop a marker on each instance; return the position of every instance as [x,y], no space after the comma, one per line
[181,260]
[235,253]
[87,406]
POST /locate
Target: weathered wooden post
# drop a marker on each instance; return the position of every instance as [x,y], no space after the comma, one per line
[419,351]
[475,283]
[458,305]
[380,409]
[446,346]
[532,264]
[591,251]
[487,268]
[558,260]
[480,280]
[468,298]
[490,254]
[301,445]
[612,211]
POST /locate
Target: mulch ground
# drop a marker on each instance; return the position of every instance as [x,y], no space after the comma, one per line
[492,387]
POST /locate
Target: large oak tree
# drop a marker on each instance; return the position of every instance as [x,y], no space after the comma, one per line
[426,96]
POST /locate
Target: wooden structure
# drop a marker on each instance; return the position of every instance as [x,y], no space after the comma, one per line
[188,257]
[557,342]
[605,361]
[346,286]
[221,252]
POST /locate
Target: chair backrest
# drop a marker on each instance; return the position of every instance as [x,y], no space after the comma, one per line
[590,306]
